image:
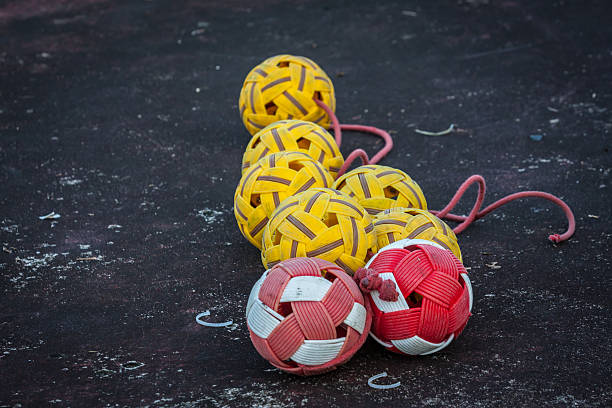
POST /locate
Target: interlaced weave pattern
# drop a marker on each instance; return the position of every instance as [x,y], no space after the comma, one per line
[399,223]
[285,87]
[294,135]
[322,223]
[378,188]
[306,316]
[434,302]
[272,179]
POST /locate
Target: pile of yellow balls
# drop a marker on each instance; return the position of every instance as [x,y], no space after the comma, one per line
[289,201]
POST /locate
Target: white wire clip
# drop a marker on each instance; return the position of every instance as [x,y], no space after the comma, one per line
[382,386]
[209,324]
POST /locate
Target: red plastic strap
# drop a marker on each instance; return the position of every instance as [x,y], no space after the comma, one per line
[476,214]
[338,128]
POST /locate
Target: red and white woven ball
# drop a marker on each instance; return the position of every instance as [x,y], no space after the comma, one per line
[307,316]
[433,296]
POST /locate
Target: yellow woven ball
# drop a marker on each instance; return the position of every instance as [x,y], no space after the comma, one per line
[321,223]
[283,87]
[398,223]
[294,135]
[270,181]
[378,188]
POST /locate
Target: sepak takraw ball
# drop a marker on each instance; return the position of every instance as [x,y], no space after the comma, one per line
[322,223]
[395,224]
[294,135]
[427,296]
[283,87]
[272,179]
[306,316]
[378,188]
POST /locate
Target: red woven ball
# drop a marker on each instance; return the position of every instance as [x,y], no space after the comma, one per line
[307,316]
[433,296]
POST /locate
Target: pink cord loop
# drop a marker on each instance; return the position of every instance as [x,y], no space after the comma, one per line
[475,213]
[368,280]
[357,153]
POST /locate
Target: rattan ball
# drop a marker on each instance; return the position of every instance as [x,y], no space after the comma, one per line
[378,188]
[306,316]
[270,181]
[283,87]
[398,223]
[294,135]
[433,299]
[322,223]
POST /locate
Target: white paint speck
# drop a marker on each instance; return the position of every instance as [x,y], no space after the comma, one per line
[69,181]
[51,216]
[209,215]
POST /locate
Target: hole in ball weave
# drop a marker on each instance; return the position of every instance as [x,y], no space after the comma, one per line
[276,238]
[256,142]
[303,143]
[285,309]
[339,186]
[341,331]
[296,166]
[390,192]
[271,108]
[330,277]
[330,220]
[414,300]
[255,200]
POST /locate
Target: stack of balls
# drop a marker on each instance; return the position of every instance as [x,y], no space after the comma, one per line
[330,245]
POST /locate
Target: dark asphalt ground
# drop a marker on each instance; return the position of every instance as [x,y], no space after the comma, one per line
[122,117]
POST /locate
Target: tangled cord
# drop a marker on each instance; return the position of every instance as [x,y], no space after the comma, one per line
[475,213]
[369,280]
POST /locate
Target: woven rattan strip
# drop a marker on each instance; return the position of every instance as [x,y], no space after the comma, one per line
[321,223]
[266,184]
[298,136]
[378,188]
[398,223]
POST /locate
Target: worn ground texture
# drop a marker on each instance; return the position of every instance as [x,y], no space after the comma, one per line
[122,117]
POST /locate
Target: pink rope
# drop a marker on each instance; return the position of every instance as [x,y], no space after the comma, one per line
[357,153]
[334,120]
[476,214]
[351,158]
